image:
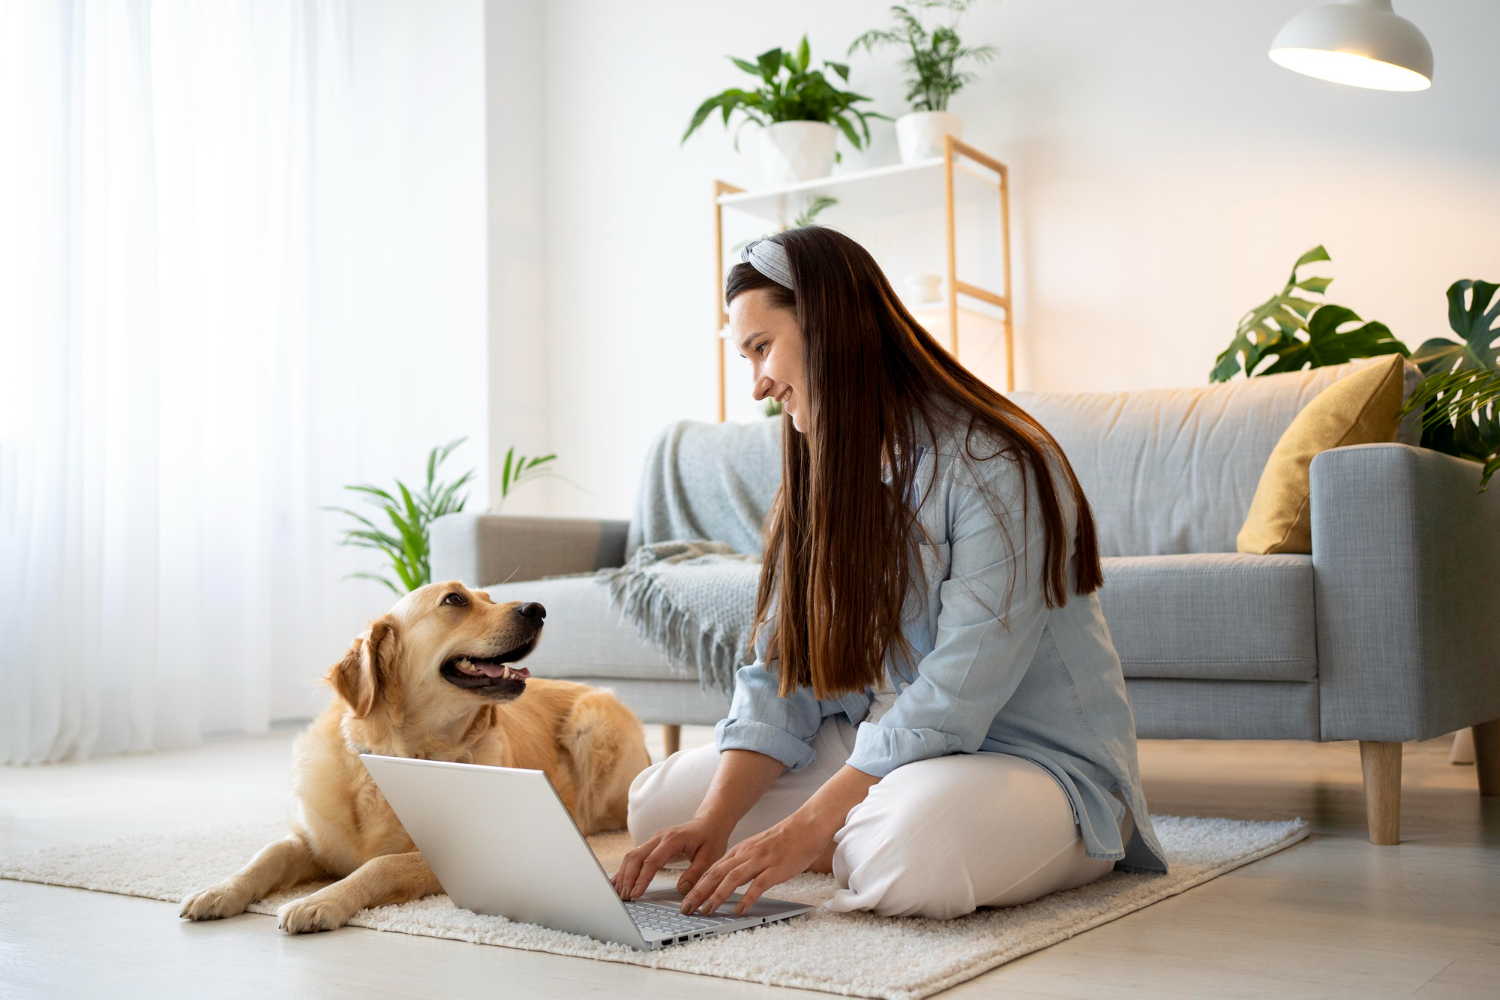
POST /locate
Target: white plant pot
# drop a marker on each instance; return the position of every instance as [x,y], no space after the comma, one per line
[920,133]
[796,151]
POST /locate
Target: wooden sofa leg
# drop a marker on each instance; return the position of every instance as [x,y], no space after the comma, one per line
[1382,767]
[1487,756]
[671,738]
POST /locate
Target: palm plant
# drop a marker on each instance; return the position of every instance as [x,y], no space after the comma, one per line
[1271,330]
[1462,387]
[407,549]
[407,544]
[801,94]
[933,63]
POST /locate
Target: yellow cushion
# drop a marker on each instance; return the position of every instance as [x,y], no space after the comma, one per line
[1358,409]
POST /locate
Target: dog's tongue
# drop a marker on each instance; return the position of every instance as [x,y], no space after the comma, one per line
[496,669]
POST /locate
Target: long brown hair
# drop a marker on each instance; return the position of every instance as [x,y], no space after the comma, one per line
[840,541]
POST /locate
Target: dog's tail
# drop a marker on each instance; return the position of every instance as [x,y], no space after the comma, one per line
[608,749]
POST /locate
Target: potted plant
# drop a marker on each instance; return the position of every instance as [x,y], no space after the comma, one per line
[934,71]
[800,111]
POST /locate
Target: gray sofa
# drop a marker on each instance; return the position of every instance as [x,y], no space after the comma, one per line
[1387,632]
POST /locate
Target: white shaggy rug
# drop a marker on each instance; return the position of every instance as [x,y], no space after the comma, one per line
[853,954]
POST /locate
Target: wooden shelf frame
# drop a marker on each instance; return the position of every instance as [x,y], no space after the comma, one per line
[955,152]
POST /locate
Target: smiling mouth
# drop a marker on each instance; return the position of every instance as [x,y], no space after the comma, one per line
[784,397]
[490,676]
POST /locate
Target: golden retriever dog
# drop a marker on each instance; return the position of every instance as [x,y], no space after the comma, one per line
[434,679]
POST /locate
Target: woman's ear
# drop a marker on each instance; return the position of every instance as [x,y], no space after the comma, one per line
[359,677]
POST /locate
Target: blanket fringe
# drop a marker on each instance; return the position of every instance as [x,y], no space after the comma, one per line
[689,646]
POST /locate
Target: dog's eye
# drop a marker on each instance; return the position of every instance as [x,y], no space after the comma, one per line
[456,600]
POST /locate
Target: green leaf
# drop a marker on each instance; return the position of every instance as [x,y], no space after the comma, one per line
[1327,345]
[1274,330]
[1449,397]
[770,64]
[410,515]
[374,491]
[848,129]
[1315,254]
[804,56]
[378,579]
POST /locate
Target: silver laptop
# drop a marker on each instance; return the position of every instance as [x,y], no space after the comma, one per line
[501,842]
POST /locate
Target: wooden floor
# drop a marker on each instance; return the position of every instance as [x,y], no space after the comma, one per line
[1331,917]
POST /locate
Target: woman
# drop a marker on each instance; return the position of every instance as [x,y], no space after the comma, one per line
[936,713]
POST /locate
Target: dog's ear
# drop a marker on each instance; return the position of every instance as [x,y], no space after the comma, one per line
[360,676]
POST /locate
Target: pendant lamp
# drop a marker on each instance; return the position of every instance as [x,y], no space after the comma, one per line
[1362,43]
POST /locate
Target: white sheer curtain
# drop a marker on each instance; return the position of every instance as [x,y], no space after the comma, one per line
[176,366]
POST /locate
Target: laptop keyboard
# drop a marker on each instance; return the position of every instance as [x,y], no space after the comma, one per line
[664,918]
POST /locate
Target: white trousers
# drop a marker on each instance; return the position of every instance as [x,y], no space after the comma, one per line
[935,838]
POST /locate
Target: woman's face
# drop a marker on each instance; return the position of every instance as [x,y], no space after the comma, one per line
[772,341]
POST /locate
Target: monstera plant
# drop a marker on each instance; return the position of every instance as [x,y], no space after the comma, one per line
[1462,388]
[1300,333]
[1458,397]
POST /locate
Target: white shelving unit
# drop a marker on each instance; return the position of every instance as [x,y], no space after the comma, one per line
[961,176]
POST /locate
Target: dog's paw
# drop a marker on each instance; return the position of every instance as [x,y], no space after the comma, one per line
[310,914]
[223,900]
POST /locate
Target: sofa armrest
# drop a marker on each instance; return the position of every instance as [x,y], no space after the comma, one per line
[1406,576]
[481,550]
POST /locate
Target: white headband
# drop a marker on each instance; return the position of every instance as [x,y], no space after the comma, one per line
[769,258]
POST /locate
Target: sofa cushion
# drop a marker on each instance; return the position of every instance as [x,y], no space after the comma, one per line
[585,636]
[1215,616]
[1174,470]
[1360,409]
[1220,616]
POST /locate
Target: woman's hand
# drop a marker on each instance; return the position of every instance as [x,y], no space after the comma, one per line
[766,859]
[787,849]
[700,841]
[740,778]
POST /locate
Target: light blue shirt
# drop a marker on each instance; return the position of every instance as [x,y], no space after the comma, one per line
[1044,683]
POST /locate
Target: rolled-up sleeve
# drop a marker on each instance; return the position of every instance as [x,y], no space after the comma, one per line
[760,720]
[977,660]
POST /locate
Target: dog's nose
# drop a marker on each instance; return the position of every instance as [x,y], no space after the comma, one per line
[531,609]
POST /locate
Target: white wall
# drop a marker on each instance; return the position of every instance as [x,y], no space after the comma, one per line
[1166,176]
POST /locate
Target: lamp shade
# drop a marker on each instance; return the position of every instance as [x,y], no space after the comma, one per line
[1362,43]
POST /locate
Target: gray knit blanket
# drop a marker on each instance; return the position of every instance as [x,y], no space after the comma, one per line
[693,552]
[713,482]
[695,600]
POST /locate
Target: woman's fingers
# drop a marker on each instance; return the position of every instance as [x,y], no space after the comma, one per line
[715,874]
[731,881]
[673,845]
[631,865]
[755,890]
[702,860]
